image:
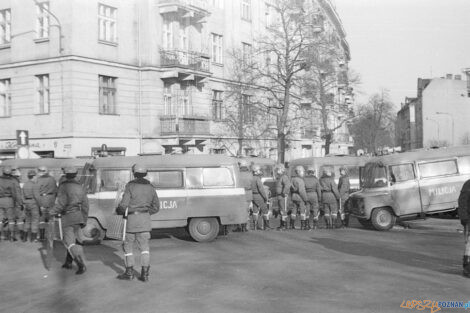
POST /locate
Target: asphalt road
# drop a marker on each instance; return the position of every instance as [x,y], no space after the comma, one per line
[343,270]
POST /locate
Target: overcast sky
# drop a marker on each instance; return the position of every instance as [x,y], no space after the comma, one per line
[393,42]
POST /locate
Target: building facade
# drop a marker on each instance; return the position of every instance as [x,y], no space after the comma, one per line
[438,116]
[141,76]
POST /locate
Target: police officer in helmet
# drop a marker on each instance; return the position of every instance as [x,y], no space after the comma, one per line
[141,201]
[245,178]
[260,198]
[10,198]
[330,197]
[282,191]
[313,189]
[299,197]
[72,207]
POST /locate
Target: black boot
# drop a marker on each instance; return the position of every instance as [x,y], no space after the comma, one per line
[127,275]
[13,236]
[80,264]
[266,225]
[23,235]
[466,265]
[34,237]
[68,261]
[42,234]
[281,225]
[144,274]
[292,223]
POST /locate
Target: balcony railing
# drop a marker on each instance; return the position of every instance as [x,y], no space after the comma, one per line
[197,4]
[185,59]
[185,126]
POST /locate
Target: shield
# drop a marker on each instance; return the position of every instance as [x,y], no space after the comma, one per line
[117,223]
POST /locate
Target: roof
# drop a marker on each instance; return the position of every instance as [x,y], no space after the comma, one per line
[331,160]
[164,161]
[48,162]
[424,154]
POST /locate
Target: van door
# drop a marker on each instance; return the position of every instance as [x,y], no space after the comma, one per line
[169,184]
[404,189]
[440,184]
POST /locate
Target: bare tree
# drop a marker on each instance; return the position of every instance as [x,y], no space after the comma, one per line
[374,126]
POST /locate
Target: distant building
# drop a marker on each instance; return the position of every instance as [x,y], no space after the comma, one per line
[140,76]
[438,116]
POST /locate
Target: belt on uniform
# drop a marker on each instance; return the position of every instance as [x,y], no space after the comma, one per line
[46,194]
[137,212]
[28,198]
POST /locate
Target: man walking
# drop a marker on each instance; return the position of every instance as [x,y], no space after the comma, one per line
[9,200]
[72,206]
[260,198]
[31,208]
[45,191]
[343,188]
[299,197]
[141,201]
[330,197]
[282,191]
[245,179]
[313,189]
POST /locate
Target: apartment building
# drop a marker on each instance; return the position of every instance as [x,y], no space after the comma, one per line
[140,76]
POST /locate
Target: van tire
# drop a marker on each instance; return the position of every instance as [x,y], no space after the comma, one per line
[203,229]
[92,233]
[382,218]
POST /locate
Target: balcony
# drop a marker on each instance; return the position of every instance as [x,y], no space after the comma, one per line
[187,8]
[185,59]
[184,126]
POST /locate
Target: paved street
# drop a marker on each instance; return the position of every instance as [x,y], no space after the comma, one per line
[344,270]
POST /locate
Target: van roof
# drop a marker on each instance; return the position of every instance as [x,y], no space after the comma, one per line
[423,154]
[48,162]
[256,160]
[331,160]
[168,161]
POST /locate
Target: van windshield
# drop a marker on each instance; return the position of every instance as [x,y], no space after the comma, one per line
[374,175]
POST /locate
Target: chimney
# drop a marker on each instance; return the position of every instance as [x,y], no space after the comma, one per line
[449,76]
[458,77]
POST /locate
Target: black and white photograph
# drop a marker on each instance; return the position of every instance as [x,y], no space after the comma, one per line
[234,156]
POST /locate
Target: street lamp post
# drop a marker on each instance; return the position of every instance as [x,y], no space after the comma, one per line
[452,119]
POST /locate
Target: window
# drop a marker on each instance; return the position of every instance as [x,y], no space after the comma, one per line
[42,94]
[439,168]
[401,172]
[217,177]
[218,4]
[107,95]
[246,53]
[42,20]
[167,99]
[166,179]
[5,98]
[464,165]
[167,34]
[218,151]
[217,48]
[113,180]
[107,23]
[248,109]
[217,105]
[246,10]
[5,26]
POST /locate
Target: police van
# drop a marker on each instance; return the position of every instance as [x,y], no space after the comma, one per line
[199,192]
[410,185]
[353,164]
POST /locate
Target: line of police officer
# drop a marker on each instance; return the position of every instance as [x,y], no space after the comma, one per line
[309,197]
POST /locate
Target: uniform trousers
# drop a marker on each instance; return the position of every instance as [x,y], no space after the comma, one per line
[142,241]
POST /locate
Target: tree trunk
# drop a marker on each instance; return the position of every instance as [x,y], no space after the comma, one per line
[328,138]
[281,147]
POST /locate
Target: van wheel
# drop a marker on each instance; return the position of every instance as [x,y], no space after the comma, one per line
[203,229]
[365,223]
[382,219]
[93,233]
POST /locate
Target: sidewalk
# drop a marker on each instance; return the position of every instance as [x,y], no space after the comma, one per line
[438,224]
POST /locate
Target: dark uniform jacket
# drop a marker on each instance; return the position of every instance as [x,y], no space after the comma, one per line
[72,203]
[464,203]
[141,200]
[313,189]
[45,190]
[298,189]
[28,194]
[330,193]
[343,187]
[9,192]
[283,185]
[257,187]
[245,179]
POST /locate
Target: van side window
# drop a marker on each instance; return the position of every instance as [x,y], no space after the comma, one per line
[112,180]
[464,165]
[217,177]
[165,179]
[401,172]
[194,177]
[438,168]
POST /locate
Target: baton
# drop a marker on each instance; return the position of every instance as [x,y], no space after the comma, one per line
[125,225]
[61,234]
[465,232]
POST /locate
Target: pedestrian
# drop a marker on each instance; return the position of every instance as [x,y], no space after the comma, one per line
[343,188]
[141,201]
[18,217]
[260,199]
[299,197]
[283,185]
[464,215]
[313,189]
[45,191]
[9,199]
[31,208]
[245,179]
[330,197]
[72,208]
